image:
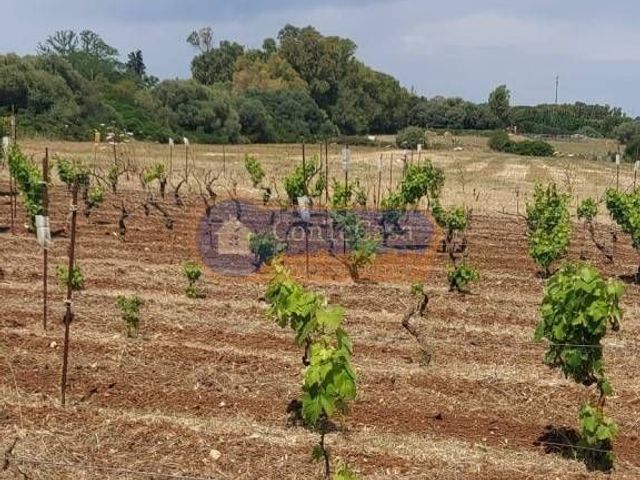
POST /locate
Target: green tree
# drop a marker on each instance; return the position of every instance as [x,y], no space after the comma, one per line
[499,101]
[632,149]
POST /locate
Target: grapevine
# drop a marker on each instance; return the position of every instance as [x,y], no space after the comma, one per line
[549,226]
[329,380]
[578,309]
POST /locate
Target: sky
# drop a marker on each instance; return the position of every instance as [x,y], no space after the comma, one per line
[453,48]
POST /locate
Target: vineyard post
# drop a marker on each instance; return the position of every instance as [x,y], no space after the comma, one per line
[305,216]
[224,160]
[380,167]
[391,172]
[617,171]
[68,316]
[14,127]
[186,160]
[635,173]
[346,160]
[45,250]
[171,145]
[304,169]
[326,172]
[11,198]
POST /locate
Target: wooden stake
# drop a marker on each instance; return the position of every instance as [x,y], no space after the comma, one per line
[326,173]
[68,316]
[45,251]
[304,169]
[224,161]
[11,201]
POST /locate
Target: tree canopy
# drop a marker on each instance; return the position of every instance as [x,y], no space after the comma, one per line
[299,84]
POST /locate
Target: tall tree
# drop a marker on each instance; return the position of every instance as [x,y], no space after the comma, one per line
[135,64]
[499,103]
[201,39]
[62,42]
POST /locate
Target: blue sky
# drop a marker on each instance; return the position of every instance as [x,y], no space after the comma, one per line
[454,48]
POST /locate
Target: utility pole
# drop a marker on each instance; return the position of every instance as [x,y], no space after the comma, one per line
[557,83]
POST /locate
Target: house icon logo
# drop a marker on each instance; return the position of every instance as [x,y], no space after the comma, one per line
[233,238]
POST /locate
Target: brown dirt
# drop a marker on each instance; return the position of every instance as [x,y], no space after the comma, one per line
[217,374]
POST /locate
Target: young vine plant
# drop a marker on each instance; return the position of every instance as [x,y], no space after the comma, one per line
[28,178]
[587,211]
[192,272]
[454,223]
[578,309]
[329,380]
[130,312]
[624,208]
[77,277]
[362,245]
[549,226]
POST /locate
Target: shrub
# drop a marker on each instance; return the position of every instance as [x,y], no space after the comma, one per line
[532,148]
[411,137]
[500,141]
[130,312]
[192,271]
[77,278]
[265,247]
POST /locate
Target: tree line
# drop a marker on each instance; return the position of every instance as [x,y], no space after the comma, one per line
[299,84]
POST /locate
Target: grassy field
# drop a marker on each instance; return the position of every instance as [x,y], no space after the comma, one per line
[203,392]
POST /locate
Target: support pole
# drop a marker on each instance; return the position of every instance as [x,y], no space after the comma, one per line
[68,316]
[45,251]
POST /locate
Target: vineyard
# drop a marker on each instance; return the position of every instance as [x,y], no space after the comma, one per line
[508,348]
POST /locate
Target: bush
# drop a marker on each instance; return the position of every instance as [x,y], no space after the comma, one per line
[632,150]
[500,141]
[411,137]
[532,148]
